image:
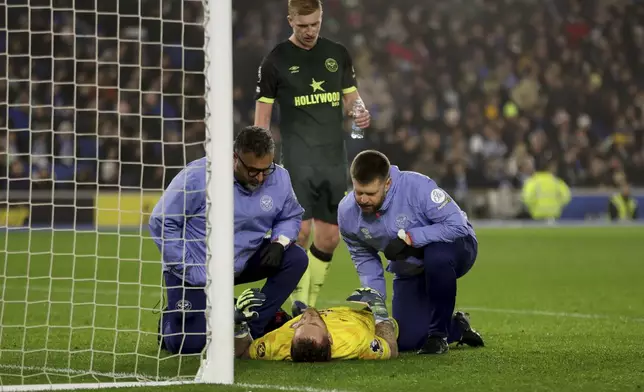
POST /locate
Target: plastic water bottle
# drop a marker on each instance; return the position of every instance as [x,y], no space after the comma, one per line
[356,131]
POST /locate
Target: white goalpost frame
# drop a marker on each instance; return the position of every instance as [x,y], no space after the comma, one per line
[217,365]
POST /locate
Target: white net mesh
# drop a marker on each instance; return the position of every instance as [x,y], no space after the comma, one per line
[102,104]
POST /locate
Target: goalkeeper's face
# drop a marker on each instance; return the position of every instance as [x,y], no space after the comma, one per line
[371,196]
[306,28]
[311,327]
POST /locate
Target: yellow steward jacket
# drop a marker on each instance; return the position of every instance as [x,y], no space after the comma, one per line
[545,195]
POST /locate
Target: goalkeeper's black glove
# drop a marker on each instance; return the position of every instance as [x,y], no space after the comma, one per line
[373,299]
[249,299]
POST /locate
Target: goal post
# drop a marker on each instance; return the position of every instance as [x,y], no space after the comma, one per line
[106,101]
[218,365]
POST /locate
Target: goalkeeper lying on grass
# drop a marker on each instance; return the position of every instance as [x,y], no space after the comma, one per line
[319,336]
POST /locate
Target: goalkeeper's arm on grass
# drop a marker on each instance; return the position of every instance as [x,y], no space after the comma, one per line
[386,327]
[388,331]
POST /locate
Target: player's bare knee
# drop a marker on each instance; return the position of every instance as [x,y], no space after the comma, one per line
[304,234]
[326,237]
[303,239]
[326,247]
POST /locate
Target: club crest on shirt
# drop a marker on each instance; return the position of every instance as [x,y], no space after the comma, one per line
[331,65]
[402,221]
[261,350]
[365,233]
[438,196]
[376,347]
[266,203]
[183,305]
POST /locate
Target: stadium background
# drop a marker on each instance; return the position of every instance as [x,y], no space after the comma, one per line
[473,93]
[106,122]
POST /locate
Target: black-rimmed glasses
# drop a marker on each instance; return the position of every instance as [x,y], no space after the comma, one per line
[254,172]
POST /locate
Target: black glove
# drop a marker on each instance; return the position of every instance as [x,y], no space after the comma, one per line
[418,253]
[395,249]
[398,250]
[271,255]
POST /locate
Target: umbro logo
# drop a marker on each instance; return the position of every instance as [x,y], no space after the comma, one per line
[294,69]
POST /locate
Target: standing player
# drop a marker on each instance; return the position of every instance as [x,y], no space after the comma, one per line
[264,203]
[427,240]
[313,81]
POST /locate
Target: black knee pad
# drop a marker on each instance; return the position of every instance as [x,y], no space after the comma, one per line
[322,256]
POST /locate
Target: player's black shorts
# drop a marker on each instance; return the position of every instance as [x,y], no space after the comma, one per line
[319,190]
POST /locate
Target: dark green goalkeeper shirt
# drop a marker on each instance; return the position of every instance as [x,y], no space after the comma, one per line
[308,86]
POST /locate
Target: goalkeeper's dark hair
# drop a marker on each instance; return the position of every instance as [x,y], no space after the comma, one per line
[308,350]
[255,140]
[370,165]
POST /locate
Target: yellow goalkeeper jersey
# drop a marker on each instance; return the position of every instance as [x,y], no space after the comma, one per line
[353,333]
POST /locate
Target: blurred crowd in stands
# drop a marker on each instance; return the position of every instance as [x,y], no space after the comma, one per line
[474,93]
[110,96]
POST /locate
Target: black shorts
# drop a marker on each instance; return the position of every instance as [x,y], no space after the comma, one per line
[319,190]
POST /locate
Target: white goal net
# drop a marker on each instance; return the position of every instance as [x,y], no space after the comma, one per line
[101,104]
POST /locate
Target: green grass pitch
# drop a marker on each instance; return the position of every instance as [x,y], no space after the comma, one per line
[559,308]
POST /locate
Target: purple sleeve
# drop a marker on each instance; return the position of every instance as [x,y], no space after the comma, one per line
[168,218]
[287,222]
[367,262]
[447,220]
